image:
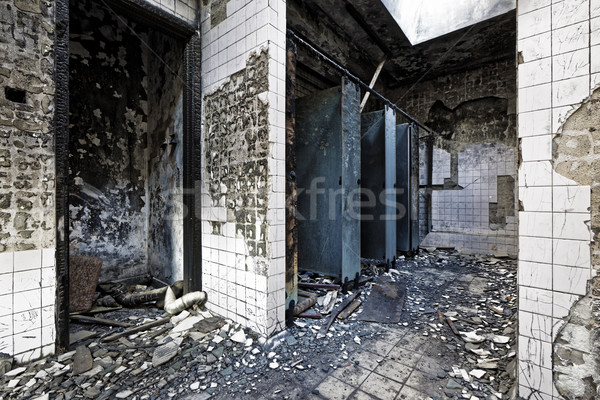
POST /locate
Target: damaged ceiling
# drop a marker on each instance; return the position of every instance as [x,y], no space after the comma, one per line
[359,33]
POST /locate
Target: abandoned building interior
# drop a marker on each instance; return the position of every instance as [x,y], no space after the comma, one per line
[241,145]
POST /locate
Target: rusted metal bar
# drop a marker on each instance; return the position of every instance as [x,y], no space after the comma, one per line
[355,79]
[451,325]
[99,321]
[135,329]
[350,309]
[314,315]
[440,316]
[307,285]
[336,312]
[304,303]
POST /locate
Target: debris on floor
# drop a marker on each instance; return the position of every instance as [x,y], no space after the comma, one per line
[197,355]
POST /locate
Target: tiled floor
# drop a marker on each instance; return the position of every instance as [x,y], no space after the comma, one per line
[393,368]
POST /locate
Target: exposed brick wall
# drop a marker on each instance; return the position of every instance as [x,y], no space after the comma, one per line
[243,218]
[496,79]
[26,138]
[27,178]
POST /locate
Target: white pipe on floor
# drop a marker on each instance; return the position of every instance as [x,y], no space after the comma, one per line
[175,306]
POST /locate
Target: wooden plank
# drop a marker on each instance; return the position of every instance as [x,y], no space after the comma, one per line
[323,331]
[373,81]
[350,309]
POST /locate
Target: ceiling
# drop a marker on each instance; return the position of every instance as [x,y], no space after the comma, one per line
[359,33]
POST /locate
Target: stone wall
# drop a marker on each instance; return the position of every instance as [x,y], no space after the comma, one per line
[473,198]
[27,177]
[243,215]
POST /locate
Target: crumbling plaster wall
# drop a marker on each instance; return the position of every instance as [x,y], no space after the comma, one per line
[558,71]
[108,140]
[165,157]
[125,145]
[27,179]
[473,204]
[243,175]
[576,156]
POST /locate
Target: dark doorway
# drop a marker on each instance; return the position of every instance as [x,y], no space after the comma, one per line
[127,144]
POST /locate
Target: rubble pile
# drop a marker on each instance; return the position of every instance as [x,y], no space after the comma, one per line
[470,311]
[153,355]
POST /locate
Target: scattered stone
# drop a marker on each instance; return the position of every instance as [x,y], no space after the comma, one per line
[274,365]
[238,337]
[210,324]
[124,394]
[195,386]
[186,324]
[164,353]
[82,362]
[500,339]
[477,373]
[453,385]
[15,372]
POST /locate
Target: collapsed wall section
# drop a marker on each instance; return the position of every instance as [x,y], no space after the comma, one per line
[27,179]
[473,158]
[243,163]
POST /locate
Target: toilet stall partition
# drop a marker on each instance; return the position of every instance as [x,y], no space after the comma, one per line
[328,175]
[407,177]
[379,208]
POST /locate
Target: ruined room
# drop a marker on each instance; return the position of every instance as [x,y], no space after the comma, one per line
[344,199]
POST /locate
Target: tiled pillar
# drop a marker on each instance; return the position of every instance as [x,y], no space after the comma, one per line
[244,218]
[554,77]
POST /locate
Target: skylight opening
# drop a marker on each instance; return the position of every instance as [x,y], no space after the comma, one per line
[423,20]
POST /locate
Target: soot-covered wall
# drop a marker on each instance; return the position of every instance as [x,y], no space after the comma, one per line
[125,144]
[473,197]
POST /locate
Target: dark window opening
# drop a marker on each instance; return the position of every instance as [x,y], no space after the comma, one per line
[15,95]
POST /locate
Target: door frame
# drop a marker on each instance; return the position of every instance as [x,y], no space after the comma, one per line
[156,18]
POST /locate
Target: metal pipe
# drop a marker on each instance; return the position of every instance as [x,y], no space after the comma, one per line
[356,80]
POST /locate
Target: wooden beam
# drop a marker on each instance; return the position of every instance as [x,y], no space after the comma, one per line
[372,84]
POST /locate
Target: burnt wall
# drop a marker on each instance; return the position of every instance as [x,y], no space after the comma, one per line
[165,157]
[474,160]
[125,144]
[26,130]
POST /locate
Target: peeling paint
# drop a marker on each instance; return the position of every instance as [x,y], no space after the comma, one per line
[125,145]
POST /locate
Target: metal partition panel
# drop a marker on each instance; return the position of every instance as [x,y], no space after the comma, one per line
[403,163]
[390,184]
[414,186]
[378,178]
[328,160]
[350,181]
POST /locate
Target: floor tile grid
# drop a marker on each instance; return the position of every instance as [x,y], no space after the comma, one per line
[361,391]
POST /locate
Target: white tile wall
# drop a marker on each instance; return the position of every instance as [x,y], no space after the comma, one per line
[27,323]
[460,218]
[184,9]
[554,241]
[234,289]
